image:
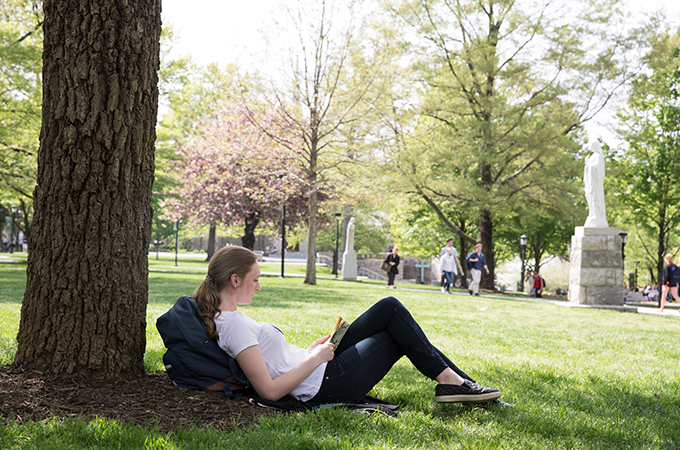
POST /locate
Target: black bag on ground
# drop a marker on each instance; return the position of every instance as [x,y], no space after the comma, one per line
[193,360]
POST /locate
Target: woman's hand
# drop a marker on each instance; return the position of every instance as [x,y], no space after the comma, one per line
[318,342]
[324,352]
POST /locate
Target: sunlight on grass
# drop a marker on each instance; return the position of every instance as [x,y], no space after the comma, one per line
[579,378]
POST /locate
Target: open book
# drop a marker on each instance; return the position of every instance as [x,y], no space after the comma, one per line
[338,332]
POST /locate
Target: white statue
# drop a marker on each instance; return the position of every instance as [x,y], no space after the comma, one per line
[593,179]
[349,258]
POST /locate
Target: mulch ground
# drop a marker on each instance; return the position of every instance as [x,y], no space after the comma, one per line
[148,400]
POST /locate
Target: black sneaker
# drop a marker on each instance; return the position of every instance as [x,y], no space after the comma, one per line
[468,392]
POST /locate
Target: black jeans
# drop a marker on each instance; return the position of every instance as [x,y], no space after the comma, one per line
[390,278]
[374,342]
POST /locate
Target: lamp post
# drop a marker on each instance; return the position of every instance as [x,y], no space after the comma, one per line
[624,237]
[523,242]
[283,236]
[636,264]
[176,228]
[337,237]
[12,236]
[283,223]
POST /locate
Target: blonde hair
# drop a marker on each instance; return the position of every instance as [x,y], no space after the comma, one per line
[669,259]
[226,262]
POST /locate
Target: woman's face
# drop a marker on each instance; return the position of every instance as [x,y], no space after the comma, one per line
[248,286]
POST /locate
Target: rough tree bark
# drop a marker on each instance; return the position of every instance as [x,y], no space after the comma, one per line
[84,310]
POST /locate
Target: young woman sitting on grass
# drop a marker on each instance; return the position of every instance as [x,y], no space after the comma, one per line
[321,374]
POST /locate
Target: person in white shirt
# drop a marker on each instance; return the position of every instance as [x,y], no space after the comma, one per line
[373,343]
[454,253]
[447,265]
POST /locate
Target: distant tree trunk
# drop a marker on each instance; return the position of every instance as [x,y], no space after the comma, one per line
[310,272]
[486,235]
[212,237]
[463,254]
[312,171]
[248,239]
[84,309]
[662,245]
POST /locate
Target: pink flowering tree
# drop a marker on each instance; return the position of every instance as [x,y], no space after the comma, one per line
[233,174]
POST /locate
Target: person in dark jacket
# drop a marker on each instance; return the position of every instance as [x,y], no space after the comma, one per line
[476,262]
[393,260]
[671,278]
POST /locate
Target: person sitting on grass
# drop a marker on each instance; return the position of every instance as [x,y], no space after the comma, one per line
[374,342]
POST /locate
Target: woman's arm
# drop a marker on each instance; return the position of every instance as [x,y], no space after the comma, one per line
[253,365]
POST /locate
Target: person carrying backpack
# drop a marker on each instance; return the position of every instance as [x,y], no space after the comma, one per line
[476,262]
[671,278]
[539,284]
[323,373]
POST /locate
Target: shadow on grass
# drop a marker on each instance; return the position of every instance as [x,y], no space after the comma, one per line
[595,411]
[552,410]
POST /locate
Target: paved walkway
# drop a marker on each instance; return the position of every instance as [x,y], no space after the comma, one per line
[669,310]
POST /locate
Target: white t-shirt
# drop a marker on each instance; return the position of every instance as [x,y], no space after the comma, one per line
[237,332]
[454,254]
[448,264]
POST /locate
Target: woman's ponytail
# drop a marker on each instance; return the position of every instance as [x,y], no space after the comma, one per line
[225,262]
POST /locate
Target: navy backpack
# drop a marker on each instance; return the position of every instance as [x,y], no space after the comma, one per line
[192,359]
[675,275]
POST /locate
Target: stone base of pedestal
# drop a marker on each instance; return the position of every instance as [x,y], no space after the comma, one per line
[596,274]
[349,265]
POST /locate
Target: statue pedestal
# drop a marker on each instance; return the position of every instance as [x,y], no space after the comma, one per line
[596,274]
[349,265]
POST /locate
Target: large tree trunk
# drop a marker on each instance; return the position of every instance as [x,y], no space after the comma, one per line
[84,310]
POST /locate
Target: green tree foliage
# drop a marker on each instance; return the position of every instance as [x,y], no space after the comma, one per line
[507,87]
[20,103]
[648,166]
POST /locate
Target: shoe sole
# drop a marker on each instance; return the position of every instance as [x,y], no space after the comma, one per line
[468,398]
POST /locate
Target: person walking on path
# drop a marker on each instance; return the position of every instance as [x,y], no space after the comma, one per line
[393,260]
[448,266]
[454,253]
[671,278]
[476,262]
[539,284]
[323,373]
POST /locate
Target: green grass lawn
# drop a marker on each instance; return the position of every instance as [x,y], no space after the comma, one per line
[579,379]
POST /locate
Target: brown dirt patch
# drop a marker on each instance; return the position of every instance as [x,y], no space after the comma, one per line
[147,400]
